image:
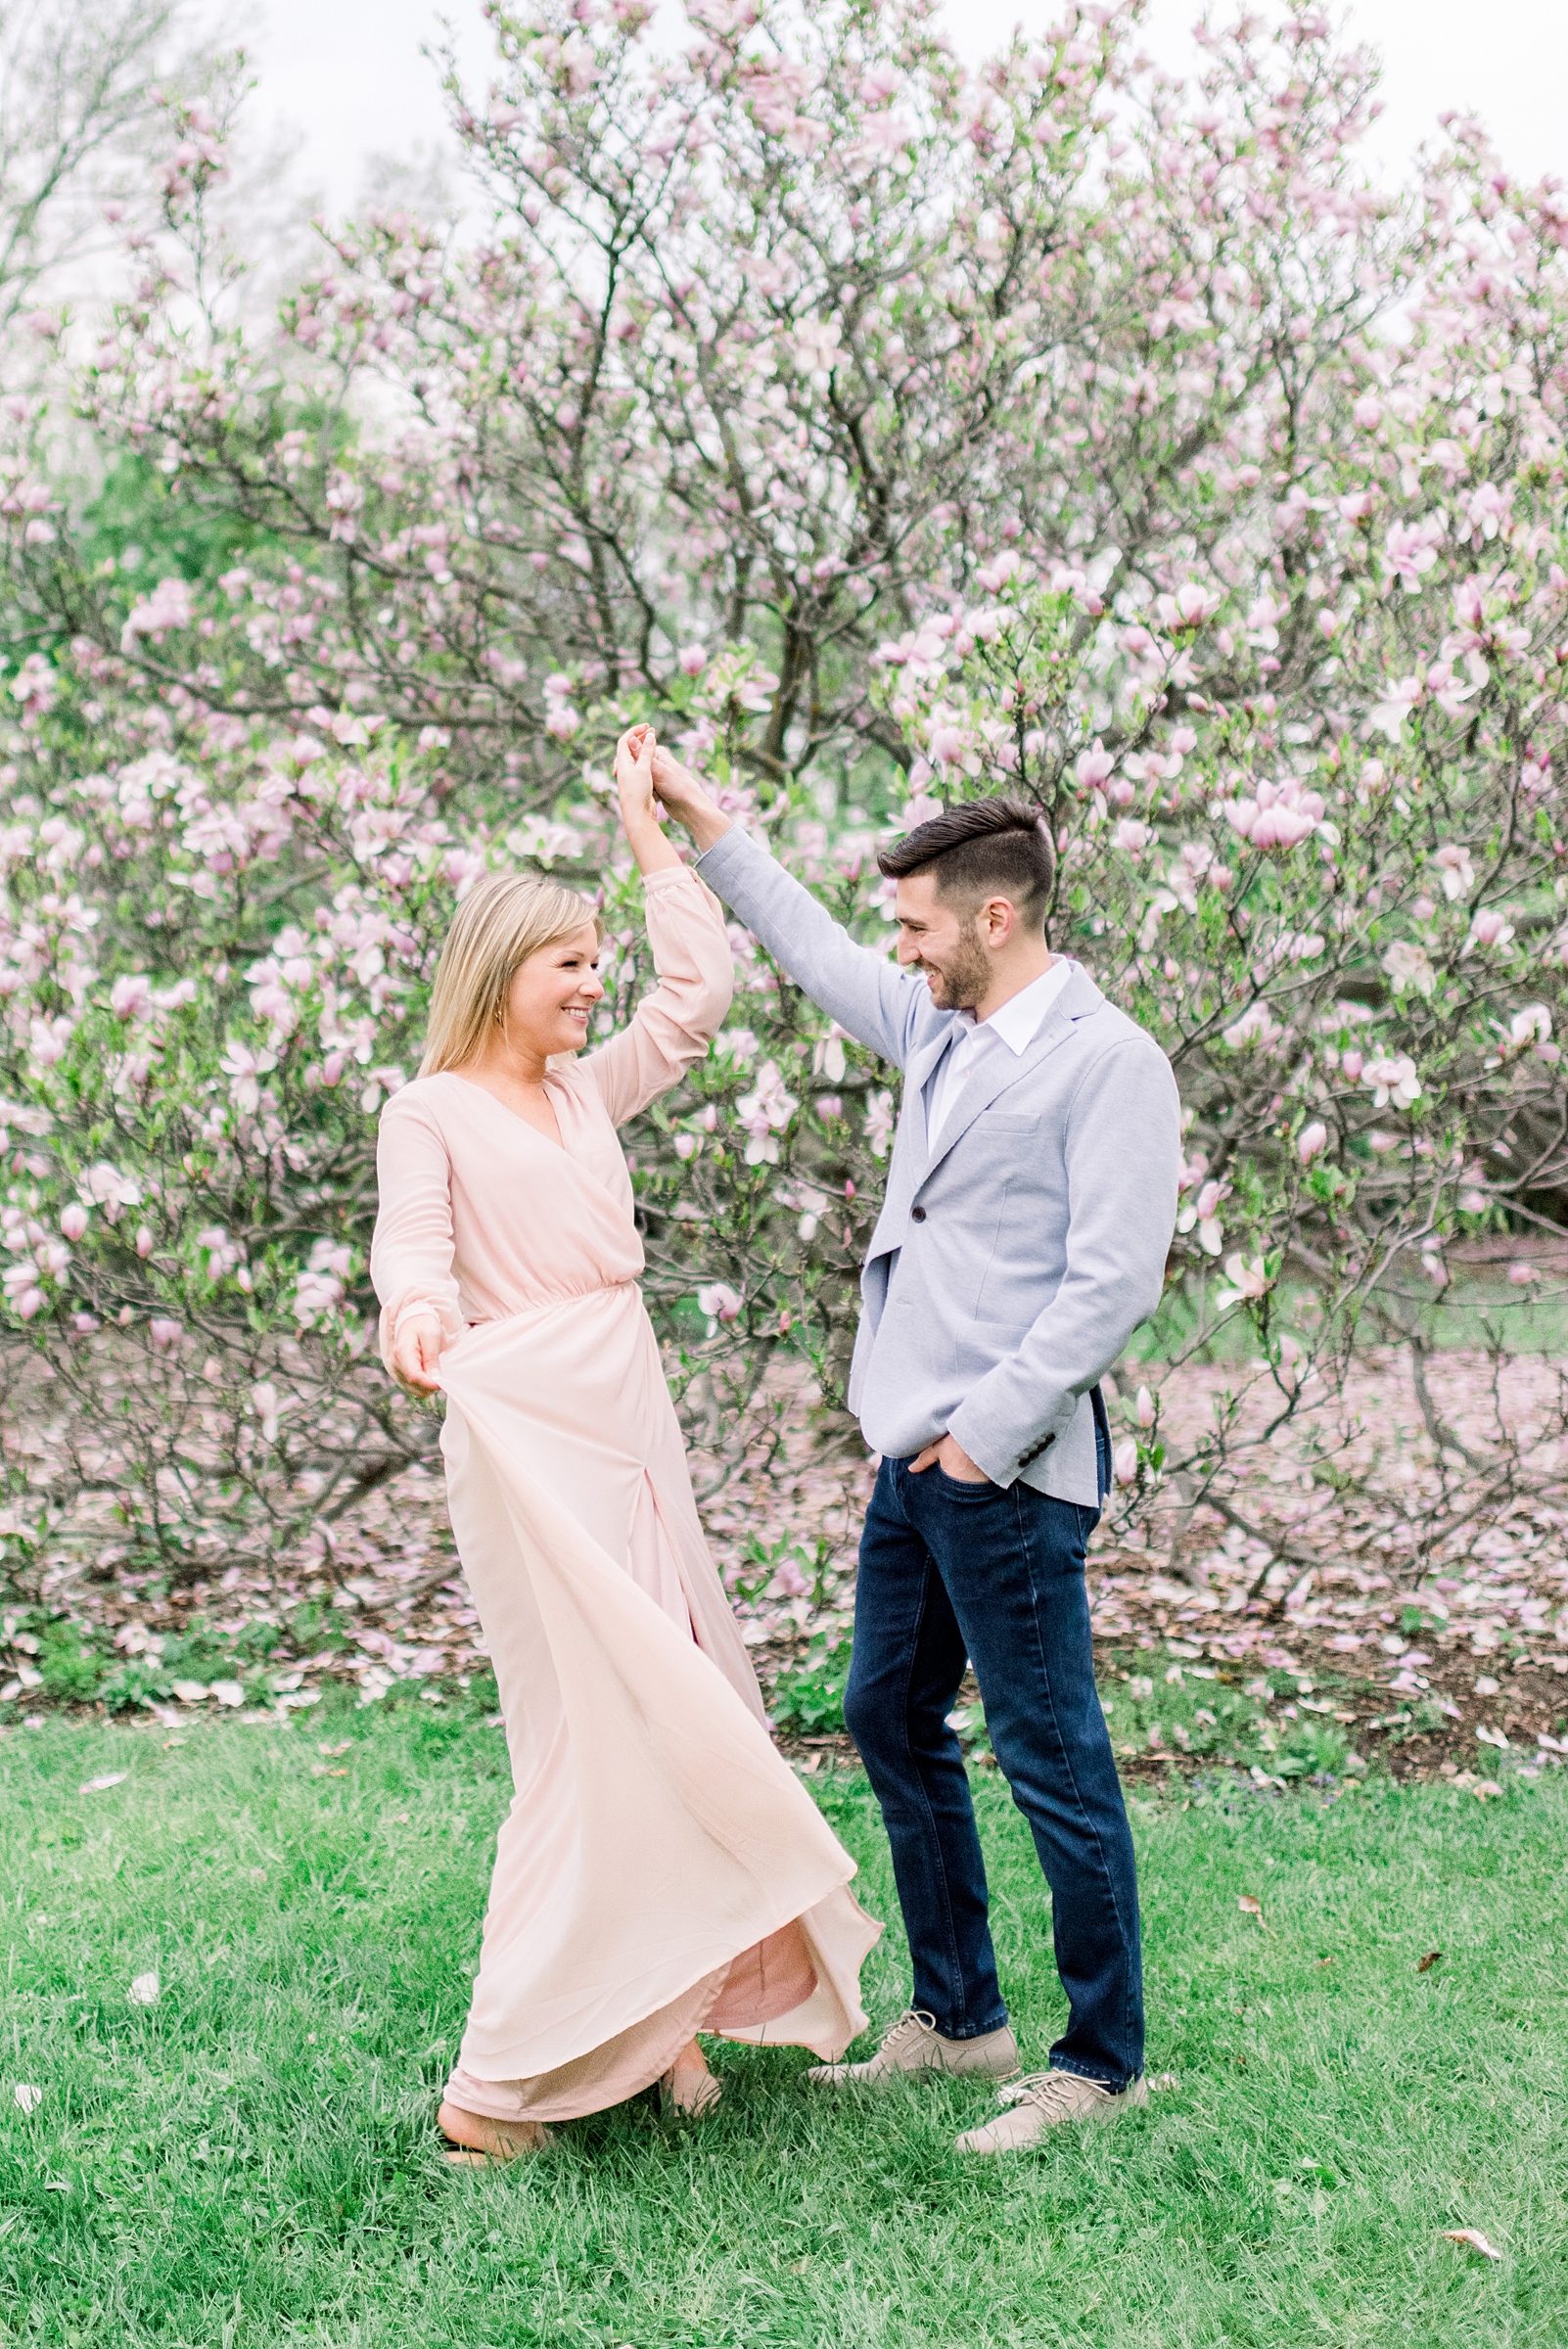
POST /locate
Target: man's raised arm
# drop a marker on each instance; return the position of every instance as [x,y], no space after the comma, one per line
[861,989]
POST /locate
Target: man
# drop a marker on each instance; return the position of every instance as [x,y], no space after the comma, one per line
[1030,1206]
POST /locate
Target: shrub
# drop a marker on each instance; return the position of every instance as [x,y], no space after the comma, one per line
[885,435]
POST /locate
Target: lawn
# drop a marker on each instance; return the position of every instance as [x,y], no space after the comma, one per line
[251,2160]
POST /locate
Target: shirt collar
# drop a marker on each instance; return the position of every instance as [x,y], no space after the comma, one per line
[1018,1021]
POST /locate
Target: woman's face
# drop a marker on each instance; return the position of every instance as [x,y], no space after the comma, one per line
[552,994]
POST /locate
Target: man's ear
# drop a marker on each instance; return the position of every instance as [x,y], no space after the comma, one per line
[1001,919]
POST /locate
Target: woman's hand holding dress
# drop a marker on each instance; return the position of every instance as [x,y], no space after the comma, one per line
[417,1352]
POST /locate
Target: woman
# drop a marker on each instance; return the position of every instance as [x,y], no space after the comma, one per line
[661,1870]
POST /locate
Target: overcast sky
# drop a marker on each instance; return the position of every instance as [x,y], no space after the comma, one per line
[349,77]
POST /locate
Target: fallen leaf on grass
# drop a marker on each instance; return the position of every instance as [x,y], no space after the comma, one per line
[1249,1906]
[28,2098]
[1424,1965]
[1161,2082]
[1474,2237]
[319,1770]
[1486,1788]
[332,1751]
[113,1777]
[143,1992]
[1485,1736]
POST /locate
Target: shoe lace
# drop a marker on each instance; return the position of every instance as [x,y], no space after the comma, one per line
[1043,2088]
[914,2024]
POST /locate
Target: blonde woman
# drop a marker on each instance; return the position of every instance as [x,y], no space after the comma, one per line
[661,1872]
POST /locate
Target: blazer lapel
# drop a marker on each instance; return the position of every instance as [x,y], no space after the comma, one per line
[916,1078]
[1001,1067]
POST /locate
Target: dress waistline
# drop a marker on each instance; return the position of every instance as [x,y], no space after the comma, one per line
[549,1304]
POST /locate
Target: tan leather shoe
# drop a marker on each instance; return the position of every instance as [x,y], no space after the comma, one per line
[913,2046]
[1041,2101]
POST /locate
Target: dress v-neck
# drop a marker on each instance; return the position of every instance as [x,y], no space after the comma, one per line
[527,1124]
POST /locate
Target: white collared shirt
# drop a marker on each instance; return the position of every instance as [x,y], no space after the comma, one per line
[1017,1023]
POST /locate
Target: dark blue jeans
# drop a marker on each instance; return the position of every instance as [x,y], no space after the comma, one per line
[952,1571]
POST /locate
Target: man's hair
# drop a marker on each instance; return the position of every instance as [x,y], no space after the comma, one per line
[986,848]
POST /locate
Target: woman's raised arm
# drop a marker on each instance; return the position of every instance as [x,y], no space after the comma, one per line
[673,1027]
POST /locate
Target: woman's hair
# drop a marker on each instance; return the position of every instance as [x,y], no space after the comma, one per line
[504,919]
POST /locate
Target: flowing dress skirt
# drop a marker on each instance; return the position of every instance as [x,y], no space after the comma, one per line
[661,1871]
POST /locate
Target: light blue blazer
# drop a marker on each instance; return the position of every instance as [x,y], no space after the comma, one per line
[1010,1264]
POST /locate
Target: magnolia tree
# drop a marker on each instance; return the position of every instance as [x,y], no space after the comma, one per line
[885,435]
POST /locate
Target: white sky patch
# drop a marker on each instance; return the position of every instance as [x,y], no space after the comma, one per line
[352,81]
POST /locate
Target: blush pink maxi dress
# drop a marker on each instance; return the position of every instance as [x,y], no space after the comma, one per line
[661,1871]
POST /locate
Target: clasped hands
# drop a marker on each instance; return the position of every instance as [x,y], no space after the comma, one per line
[644,770]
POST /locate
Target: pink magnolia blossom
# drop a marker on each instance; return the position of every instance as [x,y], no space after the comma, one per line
[1281,816]
[1487,511]
[1189,606]
[170,606]
[1409,966]
[1392,1079]
[764,1113]
[1388,714]
[1256,1030]
[1247,1276]
[1094,768]
[880,1120]
[130,996]
[1458,872]
[1411,553]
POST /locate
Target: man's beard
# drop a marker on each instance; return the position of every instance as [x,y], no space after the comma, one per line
[967,975]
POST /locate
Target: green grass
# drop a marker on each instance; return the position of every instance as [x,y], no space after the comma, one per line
[250,2161]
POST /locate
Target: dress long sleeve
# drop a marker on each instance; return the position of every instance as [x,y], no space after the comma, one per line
[411,1256]
[673,1027]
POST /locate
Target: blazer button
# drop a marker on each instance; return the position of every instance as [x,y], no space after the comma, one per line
[917,1215]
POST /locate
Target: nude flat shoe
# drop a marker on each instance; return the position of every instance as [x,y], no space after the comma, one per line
[706,2096]
[478,2157]
[469,2157]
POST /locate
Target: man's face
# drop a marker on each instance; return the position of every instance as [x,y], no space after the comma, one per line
[943,941]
